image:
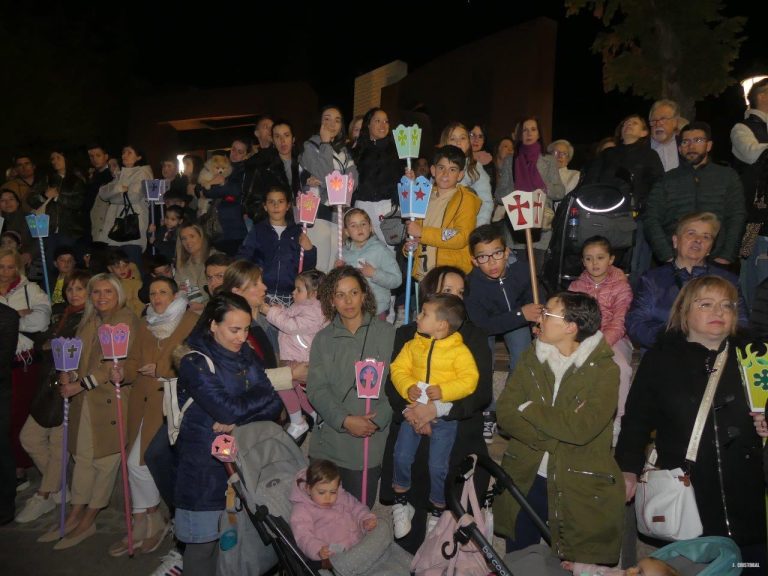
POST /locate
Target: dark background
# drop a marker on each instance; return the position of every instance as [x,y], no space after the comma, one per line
[74,71]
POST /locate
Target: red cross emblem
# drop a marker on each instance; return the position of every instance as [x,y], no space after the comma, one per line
[519,207]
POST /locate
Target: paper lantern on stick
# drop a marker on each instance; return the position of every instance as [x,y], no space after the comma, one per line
[66,353]
[155,190]
[339,188]
[414,196]
[407,141]
[38,225]
[525,210]
[308,205]
[114,341]
[754,369]
[368,375]
[224,448]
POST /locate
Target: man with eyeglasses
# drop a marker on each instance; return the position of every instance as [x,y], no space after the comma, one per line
[697,185]
[663,119]
[749,141]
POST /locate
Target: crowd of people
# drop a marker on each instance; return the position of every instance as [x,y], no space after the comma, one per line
[250,316]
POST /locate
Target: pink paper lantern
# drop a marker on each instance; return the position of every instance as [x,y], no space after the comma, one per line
[224,448]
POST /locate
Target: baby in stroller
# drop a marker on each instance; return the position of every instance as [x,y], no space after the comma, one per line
[325,518]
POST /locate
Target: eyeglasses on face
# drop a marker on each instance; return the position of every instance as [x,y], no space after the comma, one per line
[497,255]
[654,121]
[476,135]
[709,305]
[545,313]
[689,141]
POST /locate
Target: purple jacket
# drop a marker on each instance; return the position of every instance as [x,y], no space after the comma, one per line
[315,527]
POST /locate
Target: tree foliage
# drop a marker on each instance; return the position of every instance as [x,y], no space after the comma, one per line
[683,50]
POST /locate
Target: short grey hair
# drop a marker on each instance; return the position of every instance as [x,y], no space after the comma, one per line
[551,147]
[665,102]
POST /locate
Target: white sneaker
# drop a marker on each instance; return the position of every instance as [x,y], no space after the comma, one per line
[172,564]
[297,430]
[35,507]
[402,514]
[432,521]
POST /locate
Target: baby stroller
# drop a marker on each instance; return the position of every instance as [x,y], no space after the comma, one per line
[589,210]
[706,556]
[262,473]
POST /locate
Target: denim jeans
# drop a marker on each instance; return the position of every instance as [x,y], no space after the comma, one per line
[641,256]
[754,270]
[440,446]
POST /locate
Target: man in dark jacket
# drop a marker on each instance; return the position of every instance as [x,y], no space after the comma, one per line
[749,144]
[100,175]
[697,185]
[9,330]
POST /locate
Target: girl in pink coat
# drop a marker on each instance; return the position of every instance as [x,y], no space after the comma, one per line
[298,326]
[609,286]
[326,519]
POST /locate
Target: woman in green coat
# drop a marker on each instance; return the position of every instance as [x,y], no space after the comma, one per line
[558,407]
[354,334]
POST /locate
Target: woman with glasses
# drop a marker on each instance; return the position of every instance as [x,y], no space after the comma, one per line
[658,287]
[727,475]
[562,150]
[557,408]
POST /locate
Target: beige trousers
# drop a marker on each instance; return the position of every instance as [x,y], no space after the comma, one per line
[44,447]
[93,478]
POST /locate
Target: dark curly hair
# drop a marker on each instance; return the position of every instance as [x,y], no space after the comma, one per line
[328,289]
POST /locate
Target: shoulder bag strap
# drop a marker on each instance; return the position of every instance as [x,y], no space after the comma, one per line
[706,403]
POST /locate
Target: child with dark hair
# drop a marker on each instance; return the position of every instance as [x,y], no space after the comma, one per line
[298,325]
[499,299]
[326,519]
[557,408]
[610,287]
[434,365]
[64,262]
[441,238]
[119,264]
[163,237]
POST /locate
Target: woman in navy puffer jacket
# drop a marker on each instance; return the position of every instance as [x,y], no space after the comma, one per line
[237,393]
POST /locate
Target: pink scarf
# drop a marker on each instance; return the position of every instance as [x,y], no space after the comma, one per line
[527,177]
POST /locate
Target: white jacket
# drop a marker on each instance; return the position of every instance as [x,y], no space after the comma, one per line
[27,295]
[129,180]
[744,145]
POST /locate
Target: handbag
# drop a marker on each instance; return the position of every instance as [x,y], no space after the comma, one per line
[210,222]
[442,554]
[665,501]
[47,407]
[393,227]
[125,228]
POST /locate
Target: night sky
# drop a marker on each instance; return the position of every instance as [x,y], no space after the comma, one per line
[74,71]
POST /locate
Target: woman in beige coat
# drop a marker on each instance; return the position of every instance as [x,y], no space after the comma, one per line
[167,324]
[94,440]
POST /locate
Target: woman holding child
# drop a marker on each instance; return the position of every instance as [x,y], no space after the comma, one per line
[467,412]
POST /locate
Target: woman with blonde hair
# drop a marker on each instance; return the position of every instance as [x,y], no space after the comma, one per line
[192,250]
[94,440]
[475,176]
[665,397]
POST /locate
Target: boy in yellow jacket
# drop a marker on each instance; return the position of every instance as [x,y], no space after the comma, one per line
[435,366]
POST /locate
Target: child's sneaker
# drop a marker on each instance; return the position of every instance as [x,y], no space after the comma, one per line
[172,565]
[432,519]
[296,431]
[489,427]
[402,514]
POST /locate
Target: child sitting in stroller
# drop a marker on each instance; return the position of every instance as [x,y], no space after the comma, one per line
[325,518]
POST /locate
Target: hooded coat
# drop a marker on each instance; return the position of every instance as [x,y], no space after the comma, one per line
[585,488]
